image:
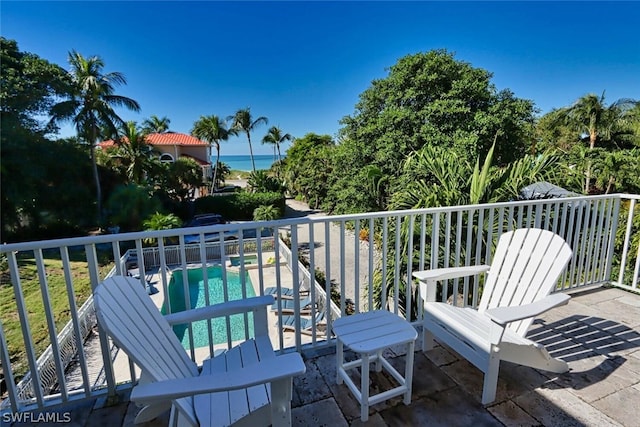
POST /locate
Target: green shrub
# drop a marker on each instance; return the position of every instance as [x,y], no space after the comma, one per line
[266,213]
[260,181]
[239,206]
[129,205]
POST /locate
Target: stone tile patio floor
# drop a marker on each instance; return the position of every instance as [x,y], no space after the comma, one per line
[597,333]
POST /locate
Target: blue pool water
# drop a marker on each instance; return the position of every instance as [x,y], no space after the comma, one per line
[198,299]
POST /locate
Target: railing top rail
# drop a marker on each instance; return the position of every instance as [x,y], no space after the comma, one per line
[239,227]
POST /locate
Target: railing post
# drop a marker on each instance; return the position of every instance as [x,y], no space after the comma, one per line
[627,241]
[94,275]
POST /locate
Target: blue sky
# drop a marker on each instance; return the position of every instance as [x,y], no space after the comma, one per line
[303,65]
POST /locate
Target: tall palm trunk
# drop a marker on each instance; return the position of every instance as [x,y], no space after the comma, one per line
[253,164]
[96,176]
[593,136]
[215,169]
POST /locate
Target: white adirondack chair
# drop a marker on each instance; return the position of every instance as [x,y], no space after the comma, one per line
[525,268]
[246,385]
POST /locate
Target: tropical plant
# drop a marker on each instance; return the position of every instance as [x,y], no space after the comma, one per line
[435,176]
[243,122]
[616,170]
[91,105]
[213,130]
[261,182]
[160,221]
[135,154]
[155,124]
[266,213]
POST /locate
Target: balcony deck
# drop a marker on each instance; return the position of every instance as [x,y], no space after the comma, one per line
[597,333]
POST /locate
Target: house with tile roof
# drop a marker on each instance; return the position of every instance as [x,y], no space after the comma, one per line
[170,146]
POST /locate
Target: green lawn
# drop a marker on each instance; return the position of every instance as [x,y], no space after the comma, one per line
[35,306]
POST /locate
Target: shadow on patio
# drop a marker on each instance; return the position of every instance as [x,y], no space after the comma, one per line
[597,333]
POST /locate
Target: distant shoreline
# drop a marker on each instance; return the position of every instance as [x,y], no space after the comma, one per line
[243,162]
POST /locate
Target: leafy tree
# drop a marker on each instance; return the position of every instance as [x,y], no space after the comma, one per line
[155,124]
[177,182]
[427,98]
[243,122]
[213,130]
[135,154]
[308,166]
[552,132]
[36,199]
[91,105]
[28,90]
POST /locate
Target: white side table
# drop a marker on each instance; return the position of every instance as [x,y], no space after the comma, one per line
[368,334]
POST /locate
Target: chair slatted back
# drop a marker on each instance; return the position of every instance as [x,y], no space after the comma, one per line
[525,268]
[130,318]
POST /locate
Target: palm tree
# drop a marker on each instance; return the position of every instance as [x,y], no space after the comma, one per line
[155,124]
[91,105]
[242,121]
[276,138]
[135,153]
[212,129]
[590,116]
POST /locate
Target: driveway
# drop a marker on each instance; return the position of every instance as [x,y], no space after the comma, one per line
[297,209]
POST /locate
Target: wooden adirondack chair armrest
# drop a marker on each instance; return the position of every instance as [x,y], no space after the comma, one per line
[429,278]
[219,310]
[272,369]
[504,315]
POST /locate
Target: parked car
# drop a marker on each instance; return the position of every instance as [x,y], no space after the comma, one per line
[205,219]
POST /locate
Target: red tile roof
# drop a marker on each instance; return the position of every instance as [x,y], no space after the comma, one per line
[169,138]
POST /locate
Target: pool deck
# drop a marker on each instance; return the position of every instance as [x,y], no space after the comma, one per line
[597,334]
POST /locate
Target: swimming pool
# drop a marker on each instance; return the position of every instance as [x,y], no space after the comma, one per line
[197,296]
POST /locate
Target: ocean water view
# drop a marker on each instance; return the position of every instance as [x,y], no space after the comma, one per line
[243,163]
